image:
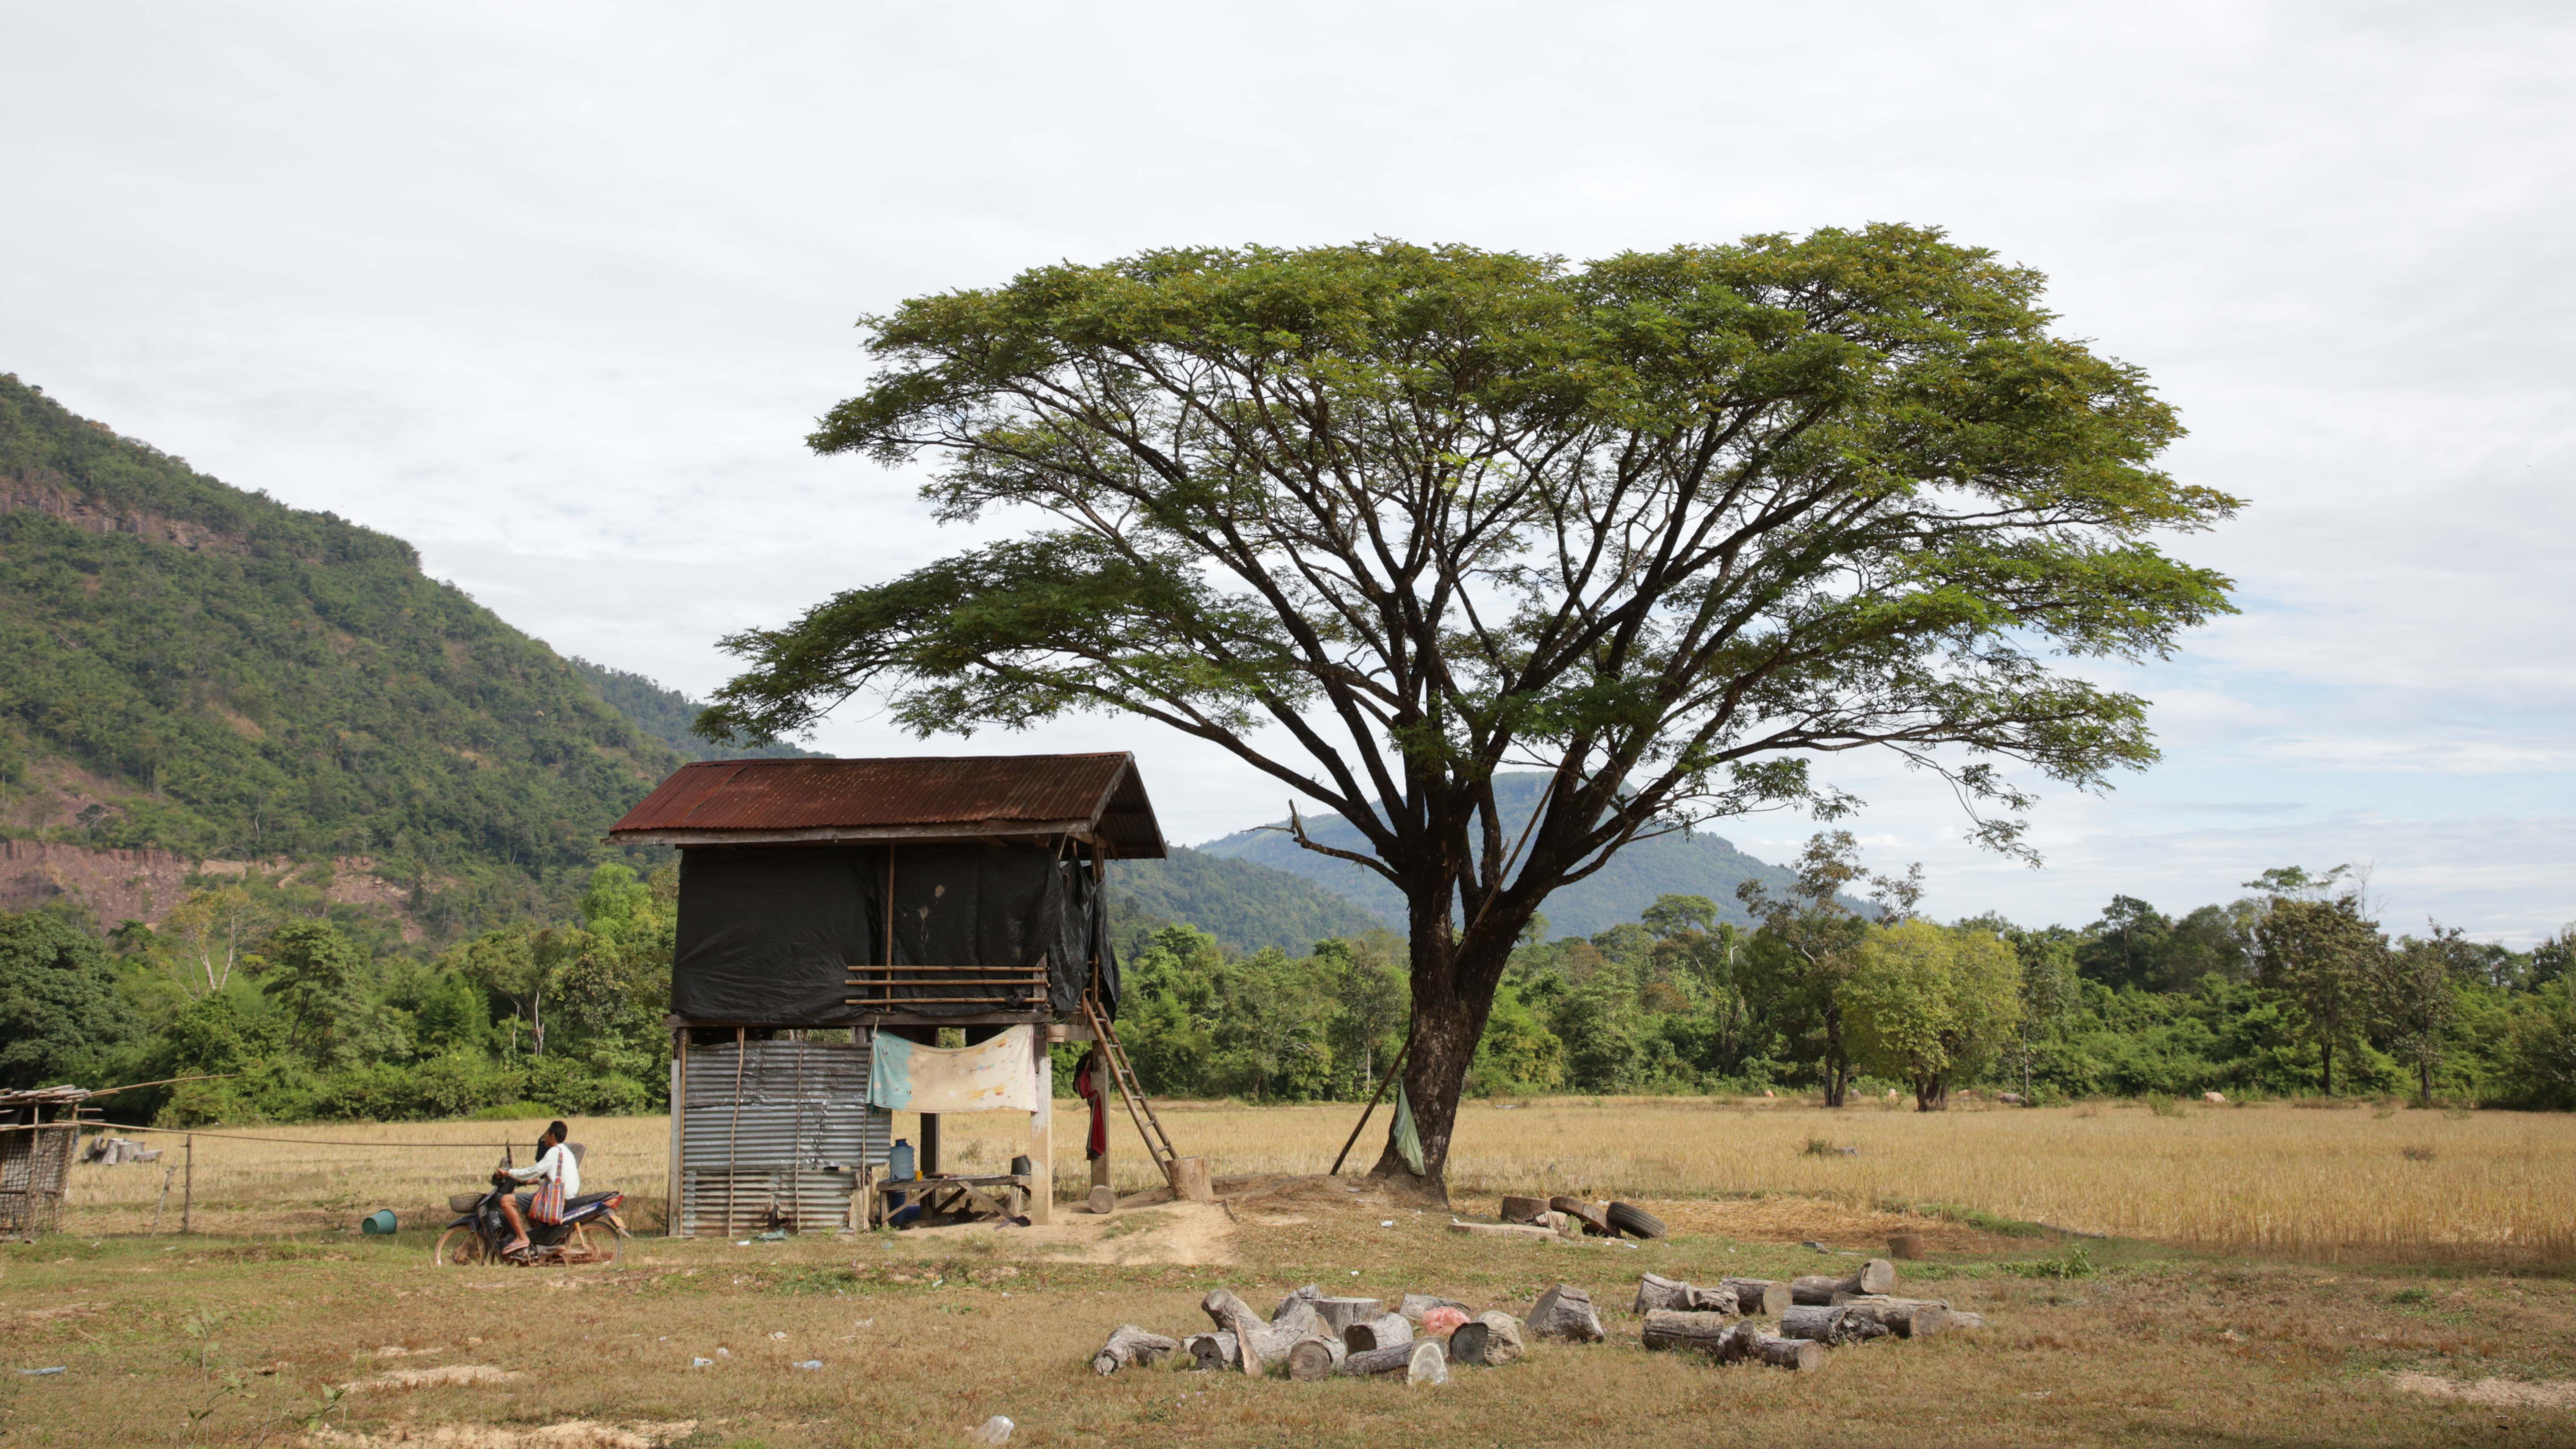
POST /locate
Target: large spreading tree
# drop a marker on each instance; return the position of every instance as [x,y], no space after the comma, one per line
[1384,519]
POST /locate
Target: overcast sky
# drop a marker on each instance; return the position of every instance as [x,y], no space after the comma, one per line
[555,291]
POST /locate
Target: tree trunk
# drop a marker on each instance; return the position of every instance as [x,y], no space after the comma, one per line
[1837,1065]
[2325,1051]
[1453,992]
[2424,1076]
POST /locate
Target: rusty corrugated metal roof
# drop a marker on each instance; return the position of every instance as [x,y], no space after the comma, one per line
[917,798]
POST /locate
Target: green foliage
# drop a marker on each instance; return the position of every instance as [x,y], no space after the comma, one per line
[2075,1262]
[1930,1005]
[670,716]
[59,1014]
[251,681]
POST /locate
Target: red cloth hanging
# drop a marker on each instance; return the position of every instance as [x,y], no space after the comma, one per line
[1086,1081]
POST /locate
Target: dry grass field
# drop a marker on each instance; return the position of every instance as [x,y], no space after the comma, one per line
[2278,1277]
[2364,1183]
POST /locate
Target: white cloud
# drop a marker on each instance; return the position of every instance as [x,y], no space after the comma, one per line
[555,293]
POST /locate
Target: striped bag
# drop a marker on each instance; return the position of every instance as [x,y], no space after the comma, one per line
[548,1204]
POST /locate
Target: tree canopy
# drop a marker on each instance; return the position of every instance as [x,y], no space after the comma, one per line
[1382,519]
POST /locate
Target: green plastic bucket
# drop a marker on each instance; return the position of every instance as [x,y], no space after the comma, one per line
[378,1224]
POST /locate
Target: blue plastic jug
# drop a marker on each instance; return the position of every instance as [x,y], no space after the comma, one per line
[899,1161]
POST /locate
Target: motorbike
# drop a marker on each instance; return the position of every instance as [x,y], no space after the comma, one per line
[591,1232]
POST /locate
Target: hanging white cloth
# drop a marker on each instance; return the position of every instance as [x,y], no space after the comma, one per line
[997,1075]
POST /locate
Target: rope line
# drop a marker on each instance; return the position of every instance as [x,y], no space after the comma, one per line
[118,1128]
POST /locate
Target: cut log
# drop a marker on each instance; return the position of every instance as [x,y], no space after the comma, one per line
[1656,1291]
[1965,1320]
[1902,1246]
[1210,1351]
[1502,1230]
[1231,1316]
[1297,1320]
[1875,1276]
[1384,1331]
[1190,1180]
[1830,1324]
[1421,1361]
[1673,1328]
[1758,1295]
[1312,1360]
[1131,1347]
[1308,1294]
[1591,1215]
[1102,1202]
[1799,1355]
[1340,1313]
[1220,1305]
[1904,1317]
[1503,1341]
[1468,1341]
[1522,1209]
[1565,1311]
[1414,1305]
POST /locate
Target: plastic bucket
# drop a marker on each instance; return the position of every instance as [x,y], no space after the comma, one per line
[378,1224]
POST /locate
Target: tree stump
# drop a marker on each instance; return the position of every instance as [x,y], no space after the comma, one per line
[1384,1331]
[1565,1311]
[1313,1360]
[1131,1346]
[1468,1342]
[1674,1328]
[1340,1313]
[1766,1296]
[1522,1209]
[1503,1341]
[1190,1180]
[1905,1246]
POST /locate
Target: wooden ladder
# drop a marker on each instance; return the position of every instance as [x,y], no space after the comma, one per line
[1150,1127]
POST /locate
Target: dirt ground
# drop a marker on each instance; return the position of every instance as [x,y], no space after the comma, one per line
[912,1338]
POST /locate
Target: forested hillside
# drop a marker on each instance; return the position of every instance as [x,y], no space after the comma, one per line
[1246,906]
[189,666]
[1696,865]
[666,715]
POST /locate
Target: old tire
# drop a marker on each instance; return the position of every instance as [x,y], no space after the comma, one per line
[1635,1221]
[459,1247]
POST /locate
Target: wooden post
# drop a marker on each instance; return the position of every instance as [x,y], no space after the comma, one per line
[927,1155]
[1101,1084]
[188,1189]
[1041,1135]
[674,1221]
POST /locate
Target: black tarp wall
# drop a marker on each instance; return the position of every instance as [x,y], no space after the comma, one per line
[767,933]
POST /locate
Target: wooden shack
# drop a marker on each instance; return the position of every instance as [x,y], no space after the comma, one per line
[827,906]
[38,1130]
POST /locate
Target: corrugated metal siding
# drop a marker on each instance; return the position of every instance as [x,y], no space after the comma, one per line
[804,1109]
[968,792]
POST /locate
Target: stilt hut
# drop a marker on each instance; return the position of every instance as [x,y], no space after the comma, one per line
[834,917]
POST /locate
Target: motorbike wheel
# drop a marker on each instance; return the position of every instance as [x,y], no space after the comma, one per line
[460,1247]
[584,1248]
[618,1223]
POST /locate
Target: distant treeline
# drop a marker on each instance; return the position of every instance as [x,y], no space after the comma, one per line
[300,1009]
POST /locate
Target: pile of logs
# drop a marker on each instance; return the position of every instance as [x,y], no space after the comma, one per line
[1815,1312]
[1311,1336]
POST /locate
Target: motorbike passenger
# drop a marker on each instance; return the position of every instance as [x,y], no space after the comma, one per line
[554,1165]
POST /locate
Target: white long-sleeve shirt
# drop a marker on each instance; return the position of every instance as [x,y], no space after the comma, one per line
[556,1163]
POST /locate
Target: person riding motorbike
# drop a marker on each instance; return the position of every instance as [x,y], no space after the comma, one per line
[555,1172]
